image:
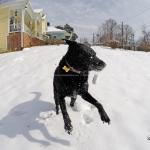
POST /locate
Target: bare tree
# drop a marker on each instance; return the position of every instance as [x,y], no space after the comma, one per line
[144,42]
[106,32]
[109,28]
[110,33]
[85,41]
[128,32]
[146,36]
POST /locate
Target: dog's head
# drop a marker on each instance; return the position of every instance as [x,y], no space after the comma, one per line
[82,57]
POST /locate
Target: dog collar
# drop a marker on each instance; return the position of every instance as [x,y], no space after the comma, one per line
[68,68]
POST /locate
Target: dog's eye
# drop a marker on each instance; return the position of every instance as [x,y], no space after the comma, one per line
[91,57]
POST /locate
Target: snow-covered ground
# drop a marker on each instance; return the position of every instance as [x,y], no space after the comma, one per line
[27,116]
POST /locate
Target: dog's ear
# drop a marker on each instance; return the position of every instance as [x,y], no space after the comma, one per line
[69,42]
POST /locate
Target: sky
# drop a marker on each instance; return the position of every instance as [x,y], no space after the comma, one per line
[86,15]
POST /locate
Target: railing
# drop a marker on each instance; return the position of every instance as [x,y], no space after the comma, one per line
[15,27]
[28,30]
[43,37]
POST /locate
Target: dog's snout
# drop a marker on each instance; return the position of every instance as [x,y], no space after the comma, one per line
[103,64]
[99,64]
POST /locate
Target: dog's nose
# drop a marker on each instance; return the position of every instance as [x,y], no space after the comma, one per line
[104,64]
[101,63]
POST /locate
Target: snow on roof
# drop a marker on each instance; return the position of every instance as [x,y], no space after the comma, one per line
[44,17]
[38,10]
[54,29]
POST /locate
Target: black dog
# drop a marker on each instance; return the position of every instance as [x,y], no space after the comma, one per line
[71,79]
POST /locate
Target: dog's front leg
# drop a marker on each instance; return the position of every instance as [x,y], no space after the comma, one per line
[72,101]
[104,117]
[56,97]
[73,98]
[67,122]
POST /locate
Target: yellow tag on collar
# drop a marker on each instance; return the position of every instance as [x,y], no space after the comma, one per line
[66,68]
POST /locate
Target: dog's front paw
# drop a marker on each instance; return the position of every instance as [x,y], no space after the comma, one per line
[57,110]
[68,128]
[104,117]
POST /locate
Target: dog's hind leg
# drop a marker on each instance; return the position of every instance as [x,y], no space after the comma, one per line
[67,122]
[104,117]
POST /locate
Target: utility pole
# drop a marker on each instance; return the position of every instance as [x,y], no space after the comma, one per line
[122,34]
[132,42]
[93,39]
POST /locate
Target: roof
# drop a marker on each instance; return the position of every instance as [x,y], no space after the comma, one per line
[54,29]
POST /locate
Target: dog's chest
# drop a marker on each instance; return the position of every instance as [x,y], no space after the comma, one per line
[76,88]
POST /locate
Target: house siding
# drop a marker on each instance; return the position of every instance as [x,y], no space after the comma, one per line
[4,17]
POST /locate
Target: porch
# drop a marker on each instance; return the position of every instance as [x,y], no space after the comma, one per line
[23,31]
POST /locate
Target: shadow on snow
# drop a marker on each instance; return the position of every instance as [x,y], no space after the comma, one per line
[21,120]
